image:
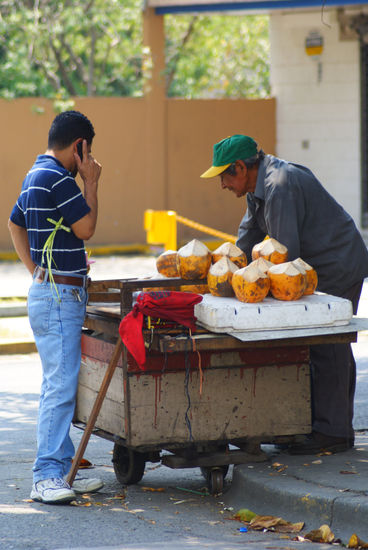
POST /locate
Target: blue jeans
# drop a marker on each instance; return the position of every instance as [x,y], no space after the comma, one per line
[57,327]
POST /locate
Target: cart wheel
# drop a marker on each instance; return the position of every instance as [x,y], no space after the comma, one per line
[128,465]
[206,471]
[215,481]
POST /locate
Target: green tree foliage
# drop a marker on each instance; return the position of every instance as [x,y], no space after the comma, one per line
[63,48]
[217,56]
[70,48]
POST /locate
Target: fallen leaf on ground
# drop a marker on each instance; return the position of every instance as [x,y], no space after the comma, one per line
[356,542]
[323,534]
[154,489]
[84,464]
[27,499]
[244,515]
[347,472]
[275,524]
[299,538]
[316,461]
[279,467]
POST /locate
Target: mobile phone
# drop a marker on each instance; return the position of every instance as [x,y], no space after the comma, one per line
[80,149]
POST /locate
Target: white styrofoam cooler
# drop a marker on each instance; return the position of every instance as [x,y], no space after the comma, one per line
[230,315]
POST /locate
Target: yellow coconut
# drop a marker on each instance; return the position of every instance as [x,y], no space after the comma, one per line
[288,281]
[231,251]
[250,284]
[197,289]
[312,277]
[262,264]
[270,250]
[219,277]
[166,263]
[193,260]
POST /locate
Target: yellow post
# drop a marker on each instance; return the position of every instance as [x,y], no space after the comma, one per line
[160,226]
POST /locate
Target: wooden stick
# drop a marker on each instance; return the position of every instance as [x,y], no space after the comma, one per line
[95,410]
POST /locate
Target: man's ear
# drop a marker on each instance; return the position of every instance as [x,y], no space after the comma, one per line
[241,166]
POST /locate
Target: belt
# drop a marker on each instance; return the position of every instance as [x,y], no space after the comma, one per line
[61,279]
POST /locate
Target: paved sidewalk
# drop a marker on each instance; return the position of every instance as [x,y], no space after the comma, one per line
[316,489]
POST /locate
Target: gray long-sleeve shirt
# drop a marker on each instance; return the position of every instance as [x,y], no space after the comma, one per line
[290,205]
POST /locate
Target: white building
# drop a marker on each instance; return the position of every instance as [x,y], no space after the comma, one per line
[319,76]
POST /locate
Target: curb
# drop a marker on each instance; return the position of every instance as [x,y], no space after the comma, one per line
[14,310]
[297,500]
[15,346]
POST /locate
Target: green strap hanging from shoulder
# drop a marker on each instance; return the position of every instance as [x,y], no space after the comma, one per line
[47,250]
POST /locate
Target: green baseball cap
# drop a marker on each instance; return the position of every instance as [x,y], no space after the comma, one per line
[228,150]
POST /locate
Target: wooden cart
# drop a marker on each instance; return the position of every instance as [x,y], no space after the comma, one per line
[197,394]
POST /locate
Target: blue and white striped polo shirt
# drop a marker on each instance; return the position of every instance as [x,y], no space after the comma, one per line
[50,191]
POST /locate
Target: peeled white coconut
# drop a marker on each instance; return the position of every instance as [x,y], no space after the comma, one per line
[166,263]
[271,250]
[250,284]
[262,264]
[311,273]
[193,260]
[231,251]
[220,276]
[288,281]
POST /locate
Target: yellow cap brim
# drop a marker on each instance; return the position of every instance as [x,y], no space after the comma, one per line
[214,171]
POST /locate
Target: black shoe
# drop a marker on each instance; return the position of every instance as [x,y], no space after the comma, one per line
[320,443]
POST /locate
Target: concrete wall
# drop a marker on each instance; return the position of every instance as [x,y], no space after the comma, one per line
[318,122]
[193,128]
[124,143]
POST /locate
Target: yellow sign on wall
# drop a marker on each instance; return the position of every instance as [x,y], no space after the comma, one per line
[314,44]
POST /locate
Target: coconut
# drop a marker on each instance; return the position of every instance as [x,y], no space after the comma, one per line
[312,277]
[231,251]
[219,277]
[288,281]
[270,250]
[193,260]
[250,284]
[166,263]
[197,289]
[262,264]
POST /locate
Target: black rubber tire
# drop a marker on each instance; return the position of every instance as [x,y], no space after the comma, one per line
[215,481]
[205,471]
[128,465]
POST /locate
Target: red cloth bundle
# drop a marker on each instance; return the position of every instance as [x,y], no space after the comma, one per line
[165,304]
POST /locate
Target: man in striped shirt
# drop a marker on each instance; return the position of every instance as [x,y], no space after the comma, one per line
[51,210]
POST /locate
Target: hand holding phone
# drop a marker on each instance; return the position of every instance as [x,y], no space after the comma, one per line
[80,149]
[89,169]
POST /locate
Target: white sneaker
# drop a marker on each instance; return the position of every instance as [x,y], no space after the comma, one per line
[87,484]
[52,491]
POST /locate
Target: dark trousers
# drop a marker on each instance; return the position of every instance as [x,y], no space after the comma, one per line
[333,373]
